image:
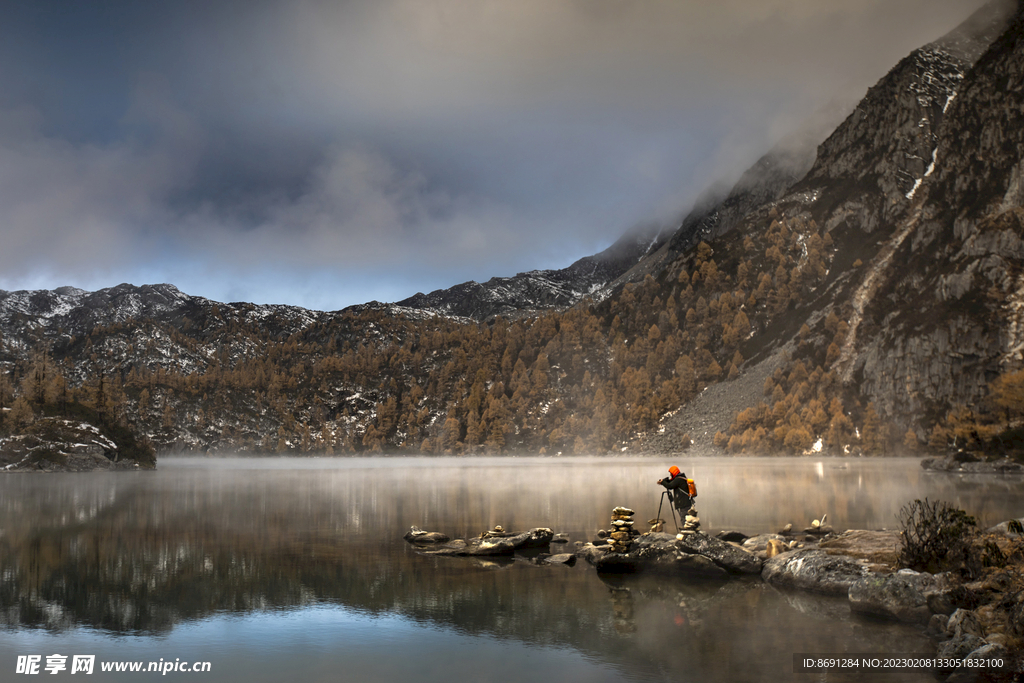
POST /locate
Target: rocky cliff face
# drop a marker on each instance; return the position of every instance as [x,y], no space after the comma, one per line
[948,315]
[922,182]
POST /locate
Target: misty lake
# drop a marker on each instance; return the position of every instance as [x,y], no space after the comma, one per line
[295,569]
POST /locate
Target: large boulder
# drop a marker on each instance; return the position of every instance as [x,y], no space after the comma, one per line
[814,570]
[960,646]
[964,621]
[540,537]
[662,553]
[901,596]
[725,555]
[591,553]
[946,599]
[989,651]
[653,553]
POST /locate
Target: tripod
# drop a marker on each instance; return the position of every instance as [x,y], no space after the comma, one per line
[670,508]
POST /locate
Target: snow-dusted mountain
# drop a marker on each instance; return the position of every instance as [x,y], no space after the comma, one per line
[539,290]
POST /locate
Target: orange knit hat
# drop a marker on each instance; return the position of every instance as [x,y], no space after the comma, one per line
[674,471]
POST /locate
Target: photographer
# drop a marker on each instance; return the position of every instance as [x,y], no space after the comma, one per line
[679,490]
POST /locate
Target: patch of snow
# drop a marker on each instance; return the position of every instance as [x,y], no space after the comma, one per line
[949,100]
[913,190]
[931,166]
[927,173]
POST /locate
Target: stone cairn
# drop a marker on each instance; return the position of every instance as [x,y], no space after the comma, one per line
[622,532]
[692,522]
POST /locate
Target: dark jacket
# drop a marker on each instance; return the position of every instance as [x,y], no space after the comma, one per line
[680,491]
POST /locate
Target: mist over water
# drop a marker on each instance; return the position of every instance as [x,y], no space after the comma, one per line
[279,568]
[576,494]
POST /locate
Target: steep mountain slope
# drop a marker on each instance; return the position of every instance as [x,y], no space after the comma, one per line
[912,341]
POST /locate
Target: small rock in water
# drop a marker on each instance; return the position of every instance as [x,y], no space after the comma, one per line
[786,529]
[776,547]
[623,511]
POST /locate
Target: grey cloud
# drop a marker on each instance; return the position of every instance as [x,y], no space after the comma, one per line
[446,139]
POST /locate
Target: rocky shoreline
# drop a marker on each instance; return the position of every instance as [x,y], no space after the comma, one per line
[963,462]
[981,619]
[55,444]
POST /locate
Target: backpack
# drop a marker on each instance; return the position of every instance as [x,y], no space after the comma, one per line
[693,488]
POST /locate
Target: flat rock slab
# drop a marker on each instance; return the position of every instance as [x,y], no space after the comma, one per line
[878,548]
[418,536]
[507,545]
[813,569]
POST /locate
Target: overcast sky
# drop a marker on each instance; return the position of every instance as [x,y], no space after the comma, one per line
[329,153]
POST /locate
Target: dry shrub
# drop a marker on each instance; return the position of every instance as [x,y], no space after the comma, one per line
[937,537]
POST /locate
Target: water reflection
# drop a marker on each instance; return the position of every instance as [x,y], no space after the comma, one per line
[141,553]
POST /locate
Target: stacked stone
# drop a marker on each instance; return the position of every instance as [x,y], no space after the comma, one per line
[692,521]
[622,532]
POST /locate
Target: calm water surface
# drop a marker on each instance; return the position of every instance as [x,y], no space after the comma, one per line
[284,569]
